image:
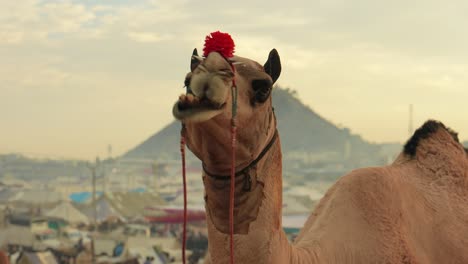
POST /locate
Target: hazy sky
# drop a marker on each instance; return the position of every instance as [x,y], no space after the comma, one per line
[76,76]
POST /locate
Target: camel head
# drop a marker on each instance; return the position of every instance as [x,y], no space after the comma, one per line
[206,107]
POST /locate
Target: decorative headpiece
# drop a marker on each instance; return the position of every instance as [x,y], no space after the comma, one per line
[219,42]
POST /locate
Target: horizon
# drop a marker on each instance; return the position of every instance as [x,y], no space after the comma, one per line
[76,76]
[293,93]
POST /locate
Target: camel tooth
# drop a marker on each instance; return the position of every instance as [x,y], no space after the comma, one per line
[190,98]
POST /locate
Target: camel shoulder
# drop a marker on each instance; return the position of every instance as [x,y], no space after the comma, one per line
[371,188]
[371,194]
[369,179]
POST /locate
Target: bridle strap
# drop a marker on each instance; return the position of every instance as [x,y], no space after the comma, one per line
[245,170]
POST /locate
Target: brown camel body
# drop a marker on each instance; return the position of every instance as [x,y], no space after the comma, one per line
[412,211]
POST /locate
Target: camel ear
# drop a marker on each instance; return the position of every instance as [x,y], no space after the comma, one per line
[273,65]
[195,60]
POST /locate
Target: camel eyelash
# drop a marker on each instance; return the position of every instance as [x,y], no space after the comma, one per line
[187,82]
[226,73]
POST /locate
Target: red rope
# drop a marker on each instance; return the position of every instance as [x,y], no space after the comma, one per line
[233,165]
[184,179]
[231,193]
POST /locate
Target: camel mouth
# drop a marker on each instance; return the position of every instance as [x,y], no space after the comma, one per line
[192,108]
[191,101]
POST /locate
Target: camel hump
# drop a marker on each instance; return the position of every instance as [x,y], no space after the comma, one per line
[387,211]
[437,152]
[428,133]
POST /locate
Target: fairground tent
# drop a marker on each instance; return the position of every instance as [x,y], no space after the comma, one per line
[37,197]
[68,212]
[45,257]
[104,210]
[133,204]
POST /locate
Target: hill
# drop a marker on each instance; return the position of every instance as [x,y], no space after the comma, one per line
[304,135]
[312,133]
[163,144]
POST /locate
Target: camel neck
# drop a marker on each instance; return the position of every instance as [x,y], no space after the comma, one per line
[245,171]
[257,211]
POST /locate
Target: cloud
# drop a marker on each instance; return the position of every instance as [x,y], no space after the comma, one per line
[40,20]
[11,37]
[109,62]
[66,17]
[148,37]
[33,75]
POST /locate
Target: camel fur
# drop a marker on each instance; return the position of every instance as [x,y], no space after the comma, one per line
[412,211]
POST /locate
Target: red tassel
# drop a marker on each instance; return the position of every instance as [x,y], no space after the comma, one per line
[219,42]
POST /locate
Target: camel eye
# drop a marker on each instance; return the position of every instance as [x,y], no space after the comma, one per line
[262,90]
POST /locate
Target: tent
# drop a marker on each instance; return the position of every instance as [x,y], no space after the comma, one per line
[133,204]
[45,257]
[36,197]
[68,212]
[6,193]
[17,236]
[104,211]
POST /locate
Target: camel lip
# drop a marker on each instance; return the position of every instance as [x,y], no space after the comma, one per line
[196,113]
[191,101]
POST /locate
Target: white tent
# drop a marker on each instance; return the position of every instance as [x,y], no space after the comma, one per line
[37,197]
[104,209]
[68,212]
[45,257]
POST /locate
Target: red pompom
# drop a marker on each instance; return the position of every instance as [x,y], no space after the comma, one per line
[219,42]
